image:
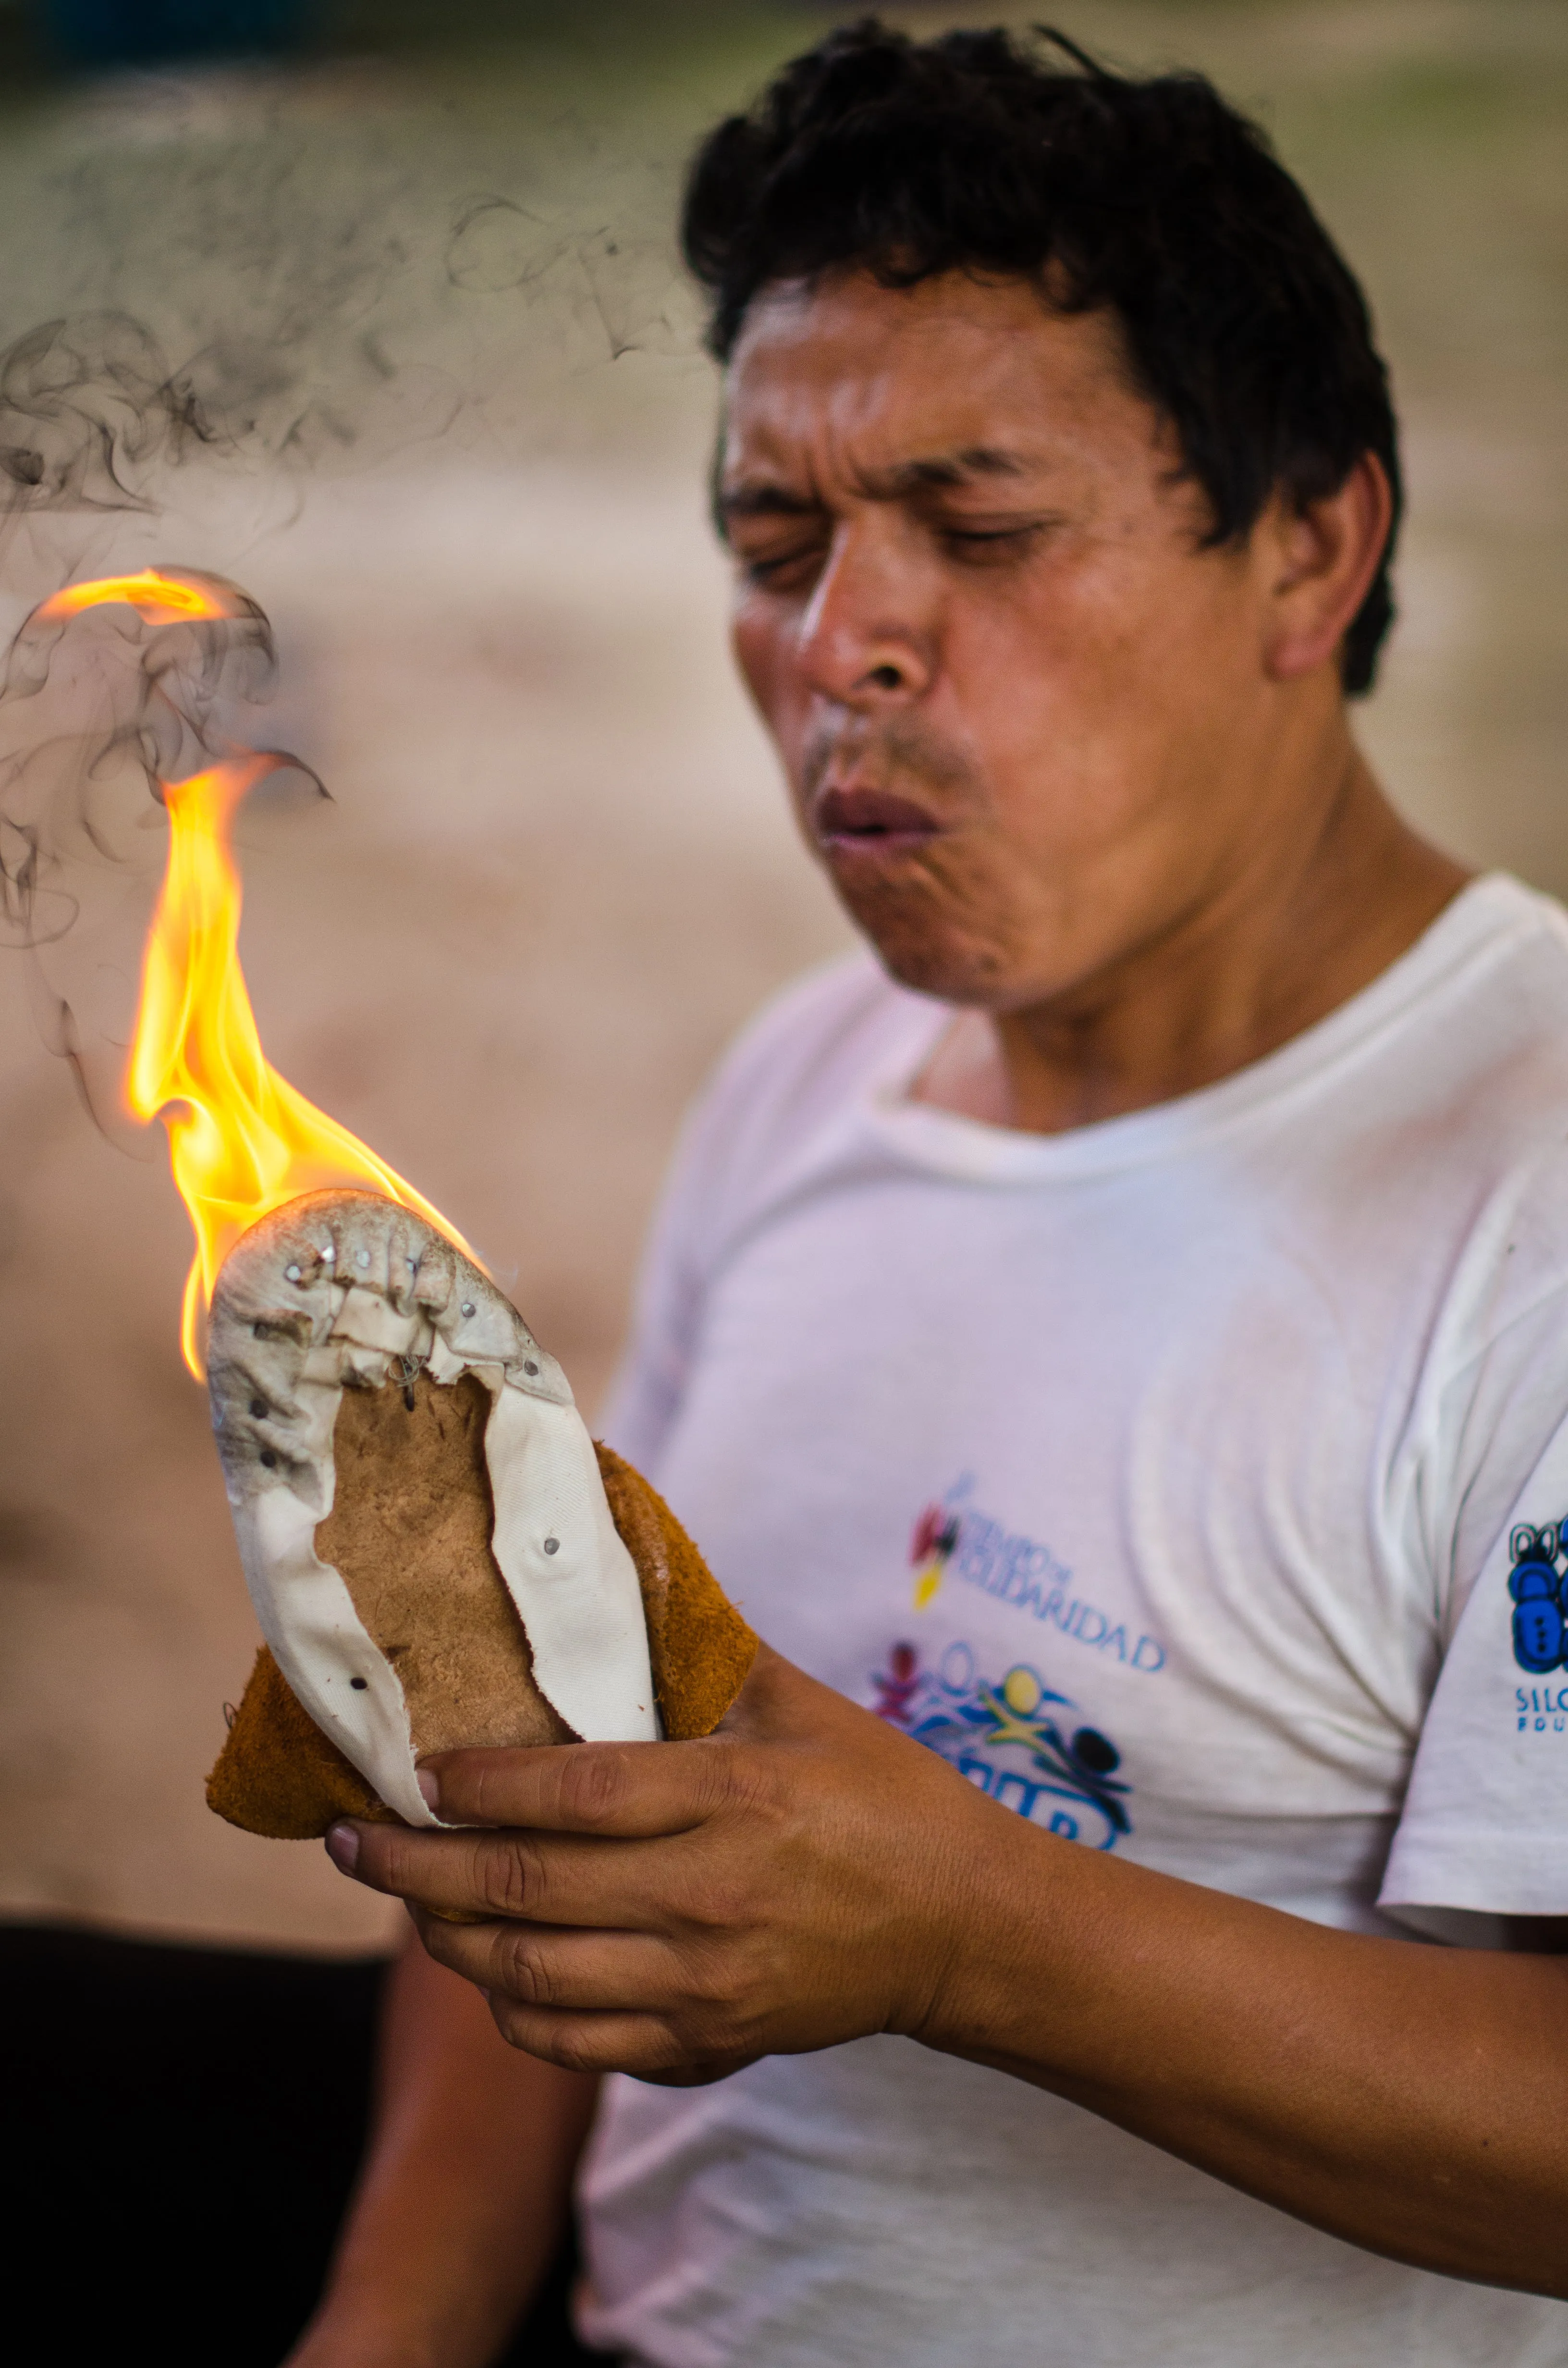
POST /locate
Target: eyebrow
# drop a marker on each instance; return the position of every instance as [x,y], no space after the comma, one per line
[938,473]
[942,471]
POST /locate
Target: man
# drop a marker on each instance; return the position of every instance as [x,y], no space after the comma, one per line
[1174,1230]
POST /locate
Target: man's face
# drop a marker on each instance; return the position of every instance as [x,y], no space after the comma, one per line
[1023,715]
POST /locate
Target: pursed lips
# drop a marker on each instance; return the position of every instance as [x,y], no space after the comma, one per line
[869,823]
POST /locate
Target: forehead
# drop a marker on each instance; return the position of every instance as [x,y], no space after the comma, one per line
[843,374]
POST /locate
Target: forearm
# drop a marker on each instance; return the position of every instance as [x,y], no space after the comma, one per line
[1411,2099]
[809,1875]
[464,2191]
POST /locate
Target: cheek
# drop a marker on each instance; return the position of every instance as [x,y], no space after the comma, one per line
[763,642]
[1078,698]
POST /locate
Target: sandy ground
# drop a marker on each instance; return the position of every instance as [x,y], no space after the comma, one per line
[556,875]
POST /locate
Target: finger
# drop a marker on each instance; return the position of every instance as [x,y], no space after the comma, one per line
[543,1878]
[633,1790]
[640,2044]
[626,2036]
[554,1966]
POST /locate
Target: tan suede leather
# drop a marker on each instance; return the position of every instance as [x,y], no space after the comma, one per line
[409,1532]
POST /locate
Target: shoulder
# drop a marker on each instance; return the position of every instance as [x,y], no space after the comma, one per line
[790,1084]
[1504,964]
[1484,1181]
[782,1091]
[1478,1112]
[1506,1031]
[1469,1057]
[817,1048]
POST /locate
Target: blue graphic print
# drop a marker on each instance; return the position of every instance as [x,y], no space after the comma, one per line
[1006,1739]
[1540,1598]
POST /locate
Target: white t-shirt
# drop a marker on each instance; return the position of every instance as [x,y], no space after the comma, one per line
[1192,1481]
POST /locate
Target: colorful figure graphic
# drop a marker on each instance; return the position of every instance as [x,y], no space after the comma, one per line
[1006,1739]
[1540,1598]
[931,1549]
[898,1686]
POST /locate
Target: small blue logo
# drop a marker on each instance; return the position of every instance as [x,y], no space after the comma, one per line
[1540,1598]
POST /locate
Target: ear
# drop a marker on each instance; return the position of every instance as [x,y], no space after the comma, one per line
[1324,555]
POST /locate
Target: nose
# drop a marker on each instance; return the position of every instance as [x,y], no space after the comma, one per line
[866,639]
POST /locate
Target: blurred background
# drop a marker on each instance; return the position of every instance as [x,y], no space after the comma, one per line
[445,414]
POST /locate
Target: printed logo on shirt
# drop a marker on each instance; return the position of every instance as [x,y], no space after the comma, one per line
[1539,1590]
[1540,1708]
[1006,1737]
[981,1552]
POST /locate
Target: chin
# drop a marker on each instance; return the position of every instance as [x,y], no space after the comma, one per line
[948,963]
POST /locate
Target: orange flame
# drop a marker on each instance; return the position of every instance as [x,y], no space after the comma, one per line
[242,1140]
[164,599]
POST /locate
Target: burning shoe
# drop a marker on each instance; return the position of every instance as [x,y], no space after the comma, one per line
[437,1553]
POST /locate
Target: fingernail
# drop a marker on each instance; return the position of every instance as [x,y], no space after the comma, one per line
[342,1848]
[429,1785]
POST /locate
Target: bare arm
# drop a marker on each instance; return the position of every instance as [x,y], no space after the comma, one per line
[464,2192]
[675,1910]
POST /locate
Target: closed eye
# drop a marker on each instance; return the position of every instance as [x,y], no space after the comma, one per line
[987,545]
[782,571]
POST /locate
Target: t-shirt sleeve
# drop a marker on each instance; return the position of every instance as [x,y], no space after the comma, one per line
[1484,1826]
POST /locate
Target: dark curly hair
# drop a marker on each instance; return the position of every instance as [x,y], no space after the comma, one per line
[996,153]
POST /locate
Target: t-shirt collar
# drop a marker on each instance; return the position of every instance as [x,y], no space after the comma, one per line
[1477,928]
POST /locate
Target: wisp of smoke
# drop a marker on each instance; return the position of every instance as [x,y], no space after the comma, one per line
[99,707]
[93,417]
[86,406]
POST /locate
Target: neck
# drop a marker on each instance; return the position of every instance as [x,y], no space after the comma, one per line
[1294,929]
